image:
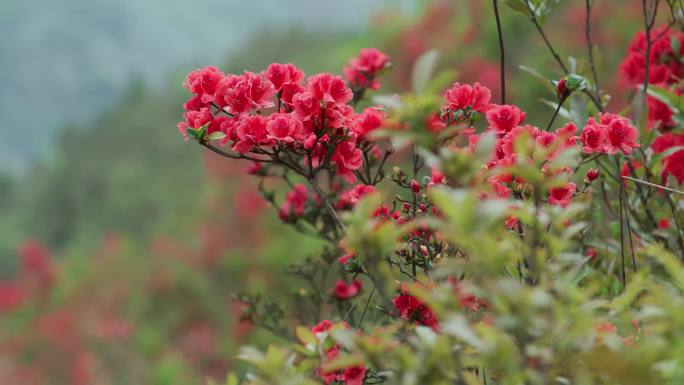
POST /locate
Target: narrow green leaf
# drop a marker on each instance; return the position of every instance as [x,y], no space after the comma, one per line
[423,69]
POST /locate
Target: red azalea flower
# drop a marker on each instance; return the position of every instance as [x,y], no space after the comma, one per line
[288,91]
[369,120]
[592,174]
[346,291]
[329,89]
[594,138]
[503,118]
[620,133]
[251,132]
[345,258]
[462,96]
[659,113]
[242,94]
[11,296]
[674,165]
[568,134]
[362,70]
[347,158]
[591,253]
[353,196]
[329,377]
[195,119]
[203,82]
[282,74]
[435,124]
[606,327]
[561,196]
[321,327]
[412,309]
[284,127]
[511,222]
[666,141]
[436,177]
[293,207]
[664,223]
[36,261]
[354,375]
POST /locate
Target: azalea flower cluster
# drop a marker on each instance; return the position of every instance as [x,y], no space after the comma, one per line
[280,111]
[351,375]
[37,277]
[665,70]
[612,133]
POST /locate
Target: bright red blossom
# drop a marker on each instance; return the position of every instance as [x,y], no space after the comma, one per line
[369,120]
[282,74]
[412,309]
[329,89]
[592,174]
[463,96]
[503,118]
[363,70]
[593,137]
[344,290]
[622,136]
[251,133]
[674,165]
[203,82]
[354,195]
[293,207]
[240,94]
[347,158]
[561,196]
[285,127]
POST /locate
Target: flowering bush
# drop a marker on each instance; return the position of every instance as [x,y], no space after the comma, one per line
[493,251]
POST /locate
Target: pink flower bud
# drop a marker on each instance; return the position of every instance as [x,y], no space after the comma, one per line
[562,88]
[592,174]
[415,186]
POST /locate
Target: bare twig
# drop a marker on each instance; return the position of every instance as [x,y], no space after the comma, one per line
[649,20]
[654,185]
[328,205]
[502,53]
[556,56]
[590,47]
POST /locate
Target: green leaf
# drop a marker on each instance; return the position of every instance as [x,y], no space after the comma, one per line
[202,131]
[305,335]
[192,133]
[392,102]
[664,95]
[518,6]
[543,79]
[675,44]
[578,110]
[575,82]
[216,135]
[423,69]
[562,112]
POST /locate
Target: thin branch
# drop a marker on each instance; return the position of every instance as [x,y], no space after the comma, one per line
[328,205]
[622,227]
[502,52]
[365,308]
[649,20]
[631,240]
[555,54]
[555,114]
[654,185]
[590,47]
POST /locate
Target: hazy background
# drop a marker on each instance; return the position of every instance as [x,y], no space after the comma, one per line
[121,245]
[64,61]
